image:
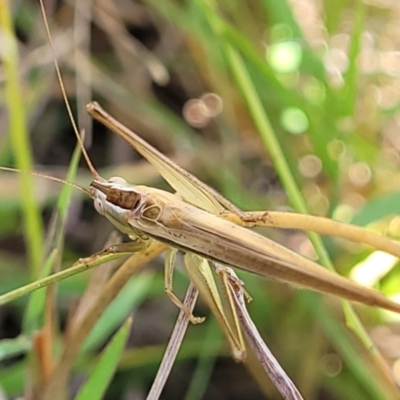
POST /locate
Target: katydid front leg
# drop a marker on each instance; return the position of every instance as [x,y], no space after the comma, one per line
[117,249]
[170,257]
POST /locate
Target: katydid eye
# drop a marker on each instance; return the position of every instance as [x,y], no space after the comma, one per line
[117,179]
[98,205]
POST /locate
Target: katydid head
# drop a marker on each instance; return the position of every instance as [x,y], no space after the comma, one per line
[117,200]
[115,191]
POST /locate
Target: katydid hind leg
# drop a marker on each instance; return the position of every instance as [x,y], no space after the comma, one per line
[312,223]
[281,263]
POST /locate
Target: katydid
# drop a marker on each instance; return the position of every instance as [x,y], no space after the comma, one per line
[194,220]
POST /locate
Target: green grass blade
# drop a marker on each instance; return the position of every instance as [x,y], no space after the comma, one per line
[350,353]
[96,385]
[19,138]
[10,348]
[34,313]
[350,85]
[210,348]
[127,300]
[280,12]
[36,306]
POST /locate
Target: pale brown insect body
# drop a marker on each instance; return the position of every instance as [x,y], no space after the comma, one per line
[164,216]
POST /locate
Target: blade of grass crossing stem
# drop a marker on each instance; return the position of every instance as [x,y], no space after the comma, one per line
[267,134]
[296,198]
[19,138]
[288,181]
[96,385]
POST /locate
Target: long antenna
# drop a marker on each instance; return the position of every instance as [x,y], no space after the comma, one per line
[49,177]
[64,94]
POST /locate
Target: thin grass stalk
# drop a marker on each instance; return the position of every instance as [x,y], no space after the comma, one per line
[33,228]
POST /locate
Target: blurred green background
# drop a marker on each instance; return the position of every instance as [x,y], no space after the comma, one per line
[279,105]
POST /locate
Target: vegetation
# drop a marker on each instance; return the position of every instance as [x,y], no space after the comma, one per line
[289,105]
